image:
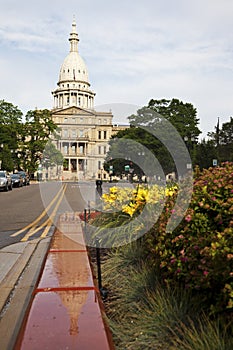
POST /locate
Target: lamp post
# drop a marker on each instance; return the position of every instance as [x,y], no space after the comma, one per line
[140,154]
[190,144]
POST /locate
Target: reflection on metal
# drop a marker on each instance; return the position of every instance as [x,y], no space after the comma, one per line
[65,311]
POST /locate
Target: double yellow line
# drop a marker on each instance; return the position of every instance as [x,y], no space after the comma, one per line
[32,228]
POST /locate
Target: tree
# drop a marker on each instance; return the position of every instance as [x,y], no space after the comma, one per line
[171,120]
[38,128]
[51,155]
[10,135]
[222,140]
[183,116]
[205,153]
[226,141]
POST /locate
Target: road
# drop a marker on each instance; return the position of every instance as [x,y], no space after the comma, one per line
[30,212]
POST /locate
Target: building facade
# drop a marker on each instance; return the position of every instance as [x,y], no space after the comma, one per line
[84,133]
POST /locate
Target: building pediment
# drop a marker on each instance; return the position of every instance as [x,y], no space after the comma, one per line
[73,111]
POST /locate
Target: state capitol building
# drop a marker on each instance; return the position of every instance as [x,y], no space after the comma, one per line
[83,132]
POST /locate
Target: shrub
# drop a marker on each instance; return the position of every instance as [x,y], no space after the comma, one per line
[198,254]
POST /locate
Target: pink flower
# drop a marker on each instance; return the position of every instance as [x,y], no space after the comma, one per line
[205,273]
[188,218]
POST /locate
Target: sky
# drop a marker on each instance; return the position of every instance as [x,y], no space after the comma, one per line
[134,51]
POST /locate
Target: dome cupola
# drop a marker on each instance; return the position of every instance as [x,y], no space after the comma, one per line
[73,85]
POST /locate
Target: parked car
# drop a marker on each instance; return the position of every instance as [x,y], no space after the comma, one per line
[25,176]
[5,180]
[17,180]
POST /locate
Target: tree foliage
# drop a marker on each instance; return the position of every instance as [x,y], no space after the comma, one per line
[10,134]
[160,116]
[38,128]
[22,143]
[219,145]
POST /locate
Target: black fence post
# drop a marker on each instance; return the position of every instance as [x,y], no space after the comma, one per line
[98,262]
[103,291]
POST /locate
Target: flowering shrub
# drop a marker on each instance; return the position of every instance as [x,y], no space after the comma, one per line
[199,252]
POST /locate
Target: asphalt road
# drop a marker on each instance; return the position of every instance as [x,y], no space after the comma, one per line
[25,213]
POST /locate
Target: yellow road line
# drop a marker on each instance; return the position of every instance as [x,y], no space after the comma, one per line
[32,224]
[47,223]
[46,230]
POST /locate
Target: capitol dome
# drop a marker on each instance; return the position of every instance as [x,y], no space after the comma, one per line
[73,85]
[73,69]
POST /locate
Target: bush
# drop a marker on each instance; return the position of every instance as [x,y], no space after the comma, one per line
[198,254]
[143,314]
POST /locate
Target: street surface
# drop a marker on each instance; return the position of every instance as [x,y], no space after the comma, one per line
[31,212]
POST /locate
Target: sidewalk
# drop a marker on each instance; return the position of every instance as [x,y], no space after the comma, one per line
[66,310]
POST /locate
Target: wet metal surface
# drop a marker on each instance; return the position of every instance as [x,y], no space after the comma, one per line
[65,312]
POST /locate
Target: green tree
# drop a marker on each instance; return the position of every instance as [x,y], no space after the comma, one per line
[38,128]
[52,155]
[226,141]
[158,115]
[183,116]
[222,140]
[10,135]
[206,151]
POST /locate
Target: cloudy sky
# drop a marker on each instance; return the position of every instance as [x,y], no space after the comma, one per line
[134,51]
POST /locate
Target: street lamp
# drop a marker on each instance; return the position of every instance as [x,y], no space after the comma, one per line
[190,142]
[140,154]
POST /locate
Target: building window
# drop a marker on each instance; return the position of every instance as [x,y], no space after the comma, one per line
[105,149]
[81,120]
[81,133]
[65,120]
[99,149]
[74,133]
[99,134]
[73,148]
[65,133]
[105,134]
[65,149]
[99,164]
